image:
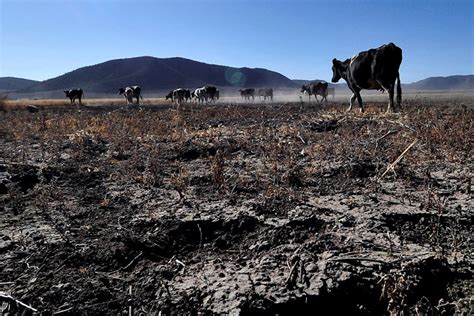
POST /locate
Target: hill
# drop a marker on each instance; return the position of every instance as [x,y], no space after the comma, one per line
[465,82]
[12,83]
[154,74]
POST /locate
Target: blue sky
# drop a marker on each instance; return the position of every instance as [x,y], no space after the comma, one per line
[40,39]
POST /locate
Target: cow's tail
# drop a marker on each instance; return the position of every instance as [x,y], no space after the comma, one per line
[399,91]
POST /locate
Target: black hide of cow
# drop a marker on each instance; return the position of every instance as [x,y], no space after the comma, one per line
[375,69]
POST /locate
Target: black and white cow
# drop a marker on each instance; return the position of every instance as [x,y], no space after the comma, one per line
[131,92]
[265,93]
[205,94]
[72,94]
[248,93]
[169,95]
[179,95]
[316,88]
[375,69]
[200,95]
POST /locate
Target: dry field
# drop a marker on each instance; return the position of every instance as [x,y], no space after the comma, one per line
[231,208]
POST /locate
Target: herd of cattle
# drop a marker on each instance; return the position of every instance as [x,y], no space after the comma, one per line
[375,69]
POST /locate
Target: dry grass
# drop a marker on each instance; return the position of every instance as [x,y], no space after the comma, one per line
[52,103]
[291,147]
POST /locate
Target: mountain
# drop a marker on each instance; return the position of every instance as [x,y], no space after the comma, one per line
[155,74]
[465,82]
[12,83]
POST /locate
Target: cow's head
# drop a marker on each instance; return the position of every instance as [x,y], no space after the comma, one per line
[304,88]
[121,91]
[66,92]
[336,70]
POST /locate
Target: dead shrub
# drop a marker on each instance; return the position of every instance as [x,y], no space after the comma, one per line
[180,181]
[217,168]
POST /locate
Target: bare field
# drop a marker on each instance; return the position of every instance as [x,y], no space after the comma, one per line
[278,208]
[102,102]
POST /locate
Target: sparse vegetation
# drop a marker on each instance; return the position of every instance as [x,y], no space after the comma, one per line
[237,208]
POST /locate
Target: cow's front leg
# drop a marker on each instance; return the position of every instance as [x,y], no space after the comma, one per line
[351,101]
[390,99]
[359,99]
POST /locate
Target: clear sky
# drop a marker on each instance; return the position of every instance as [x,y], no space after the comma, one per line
[40,39]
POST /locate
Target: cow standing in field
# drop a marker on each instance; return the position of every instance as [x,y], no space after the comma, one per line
[200,95]
[265,93]
[179,95]
[375,69]
[205,94]
[316,88]
[210,92]
[72,94]
[248,93]
[131,92]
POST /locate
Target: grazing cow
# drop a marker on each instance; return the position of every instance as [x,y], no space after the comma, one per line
[169,95]
[72,94]
[131,92]
[375,69]
[265,93]
[248,93]
[316,88]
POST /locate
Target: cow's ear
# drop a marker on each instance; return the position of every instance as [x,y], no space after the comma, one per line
[334,61]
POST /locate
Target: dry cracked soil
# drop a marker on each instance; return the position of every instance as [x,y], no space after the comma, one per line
[269,209]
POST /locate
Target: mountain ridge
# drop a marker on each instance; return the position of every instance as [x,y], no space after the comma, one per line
[153,73]
[159,74]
